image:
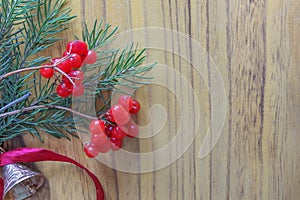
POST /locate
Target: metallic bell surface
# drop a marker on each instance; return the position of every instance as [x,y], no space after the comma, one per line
[20,182]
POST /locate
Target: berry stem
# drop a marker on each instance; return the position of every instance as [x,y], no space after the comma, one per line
[65,74]
[23,70]
[43,106]
[34,68]
[23,98]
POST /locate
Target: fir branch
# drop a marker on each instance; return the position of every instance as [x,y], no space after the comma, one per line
[98,36]
[51,18]
[38,21]
[37,29]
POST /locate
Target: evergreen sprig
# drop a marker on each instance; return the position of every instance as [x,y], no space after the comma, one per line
[28,103]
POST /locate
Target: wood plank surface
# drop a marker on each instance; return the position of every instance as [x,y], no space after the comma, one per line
[255,45]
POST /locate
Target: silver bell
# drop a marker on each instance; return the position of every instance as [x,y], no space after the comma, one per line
[20,182]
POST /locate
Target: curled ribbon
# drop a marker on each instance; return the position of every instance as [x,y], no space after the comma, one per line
[25,155]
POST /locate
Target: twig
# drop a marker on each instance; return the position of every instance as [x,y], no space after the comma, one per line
[42,106]
[23,98]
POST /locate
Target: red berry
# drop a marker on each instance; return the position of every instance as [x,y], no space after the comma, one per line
[135,107]
[120,115]
[78,90]
[108,129]
[118,133]
[65,66]
[104,147]
[126,102]
[69,86]
[97,127]
[65,54]
[115,144]
[91,57]
[63,90]
[131,129]
[91,150]
[76,75]
[98,139]
[75,60]
[83,57]
[109,116]
[47,72]
[79,75]
[54,60]
[78,47]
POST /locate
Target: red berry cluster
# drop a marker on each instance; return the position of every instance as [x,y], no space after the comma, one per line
[108,133]
[76,54]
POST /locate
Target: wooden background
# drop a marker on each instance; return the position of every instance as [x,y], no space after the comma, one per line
[255,46]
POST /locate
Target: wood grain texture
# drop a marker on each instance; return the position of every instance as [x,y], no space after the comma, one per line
[255,45]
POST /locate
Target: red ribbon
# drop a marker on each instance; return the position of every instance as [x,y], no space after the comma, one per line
[25,155]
